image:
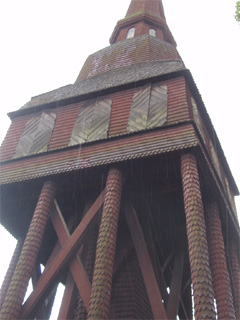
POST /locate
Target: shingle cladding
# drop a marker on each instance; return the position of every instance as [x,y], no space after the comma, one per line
[127,53]
[151,6]
[112,73]
[132,146]
[107,80]
[107,116]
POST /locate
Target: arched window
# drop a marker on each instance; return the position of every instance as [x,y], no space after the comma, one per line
[152,32]
[130,33]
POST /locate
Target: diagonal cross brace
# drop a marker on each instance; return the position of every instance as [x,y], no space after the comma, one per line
[68,298]
[67,252]
[145,263]
[78,272]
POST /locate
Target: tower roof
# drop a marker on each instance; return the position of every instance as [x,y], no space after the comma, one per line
[153,7]
[143,15]
[141,37]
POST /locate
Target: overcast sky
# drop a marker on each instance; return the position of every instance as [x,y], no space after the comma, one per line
[45,43]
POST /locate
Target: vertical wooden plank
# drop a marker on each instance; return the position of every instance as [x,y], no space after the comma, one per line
[175,287]
[155,261]
[67,300]
[150,280]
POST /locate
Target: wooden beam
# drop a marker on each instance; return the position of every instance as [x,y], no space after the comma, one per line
[120,259]
[167,261]
[50,301]
[149,277]
[78,272]
[154,257]
[53,255]
[51,274]
[41,312]
[175,287]
[67,300]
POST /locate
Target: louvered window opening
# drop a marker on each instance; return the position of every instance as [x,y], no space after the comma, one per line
[36,135]
[92,122]
[130,33]
[149,108]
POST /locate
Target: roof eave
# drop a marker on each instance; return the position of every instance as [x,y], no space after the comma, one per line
[90,95]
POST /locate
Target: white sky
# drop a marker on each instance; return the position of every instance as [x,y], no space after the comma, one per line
[45,43]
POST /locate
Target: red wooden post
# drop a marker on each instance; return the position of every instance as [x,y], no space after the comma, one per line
[235,271]
[103,268]
[13,301]
[197,240]
[10,271]
[221,281]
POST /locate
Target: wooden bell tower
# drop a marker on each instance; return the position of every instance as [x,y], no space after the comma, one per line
[118,186]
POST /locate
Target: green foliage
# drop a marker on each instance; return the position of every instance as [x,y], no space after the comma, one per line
[237,13]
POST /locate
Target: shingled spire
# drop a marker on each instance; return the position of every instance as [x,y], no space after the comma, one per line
[142,37]
[153,7]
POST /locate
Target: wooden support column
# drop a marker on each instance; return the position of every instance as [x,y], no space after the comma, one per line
[197,240]
[145,263]
[105,252]
[62,258]
[235,272]
[10,271]
[13,301]
[221,281]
